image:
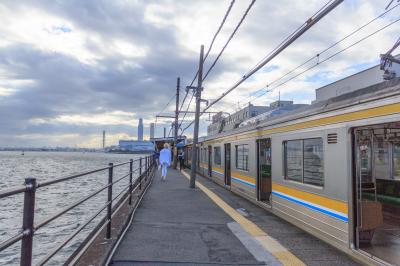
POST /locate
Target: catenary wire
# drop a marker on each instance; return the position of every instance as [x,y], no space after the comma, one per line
[206,55]
[214,37]
[288,37]
[229,39]
[328,58]
[325,50]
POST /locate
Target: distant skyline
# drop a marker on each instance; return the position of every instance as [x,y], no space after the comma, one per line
[71,69]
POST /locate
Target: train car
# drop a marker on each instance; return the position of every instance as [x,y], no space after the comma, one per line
[332,169]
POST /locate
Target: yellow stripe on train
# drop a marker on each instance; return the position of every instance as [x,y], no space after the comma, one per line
[332,204]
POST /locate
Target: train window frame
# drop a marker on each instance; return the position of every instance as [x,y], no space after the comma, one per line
[244,163]
[303,166]
[217,155]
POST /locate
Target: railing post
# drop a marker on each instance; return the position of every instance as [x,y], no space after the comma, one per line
[27,223]
[140,173]
[110,180]
[130,180]
[147,169]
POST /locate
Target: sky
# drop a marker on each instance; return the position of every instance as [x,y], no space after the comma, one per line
[71,69]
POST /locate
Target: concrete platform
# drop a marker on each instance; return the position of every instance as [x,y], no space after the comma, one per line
[178,225]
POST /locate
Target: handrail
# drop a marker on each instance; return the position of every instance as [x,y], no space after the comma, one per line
[69,238]
[12,191]
[11,241]
[70,207]
[30,189]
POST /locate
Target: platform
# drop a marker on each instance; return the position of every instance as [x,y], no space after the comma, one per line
[210,225]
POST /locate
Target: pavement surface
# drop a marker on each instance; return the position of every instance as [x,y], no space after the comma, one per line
[176,225]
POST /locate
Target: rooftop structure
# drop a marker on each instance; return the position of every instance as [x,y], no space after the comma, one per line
[224,124]
[363,79]
[221,124]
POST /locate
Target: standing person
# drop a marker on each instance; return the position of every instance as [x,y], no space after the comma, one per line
[156,157]
[181,158]
[165,160]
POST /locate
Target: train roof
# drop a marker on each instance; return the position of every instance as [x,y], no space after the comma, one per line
[374,92]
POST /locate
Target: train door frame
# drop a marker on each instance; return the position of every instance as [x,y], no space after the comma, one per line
[259,184]
[209,161]
[365,189]
[227,164]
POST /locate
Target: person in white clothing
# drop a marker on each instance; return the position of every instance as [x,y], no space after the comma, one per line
[165,160]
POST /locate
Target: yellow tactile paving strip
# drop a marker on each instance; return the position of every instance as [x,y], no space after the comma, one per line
[269,243]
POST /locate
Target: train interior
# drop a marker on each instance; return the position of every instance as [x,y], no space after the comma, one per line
[377,173]
[264,180]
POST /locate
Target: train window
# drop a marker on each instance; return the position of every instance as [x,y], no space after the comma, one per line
[242,157]
[294,160]
[303,161]
[217,155]
[313,162]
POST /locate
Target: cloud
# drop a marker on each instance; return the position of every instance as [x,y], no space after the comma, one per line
[69,69]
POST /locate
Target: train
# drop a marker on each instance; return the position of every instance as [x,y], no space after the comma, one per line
[331,168]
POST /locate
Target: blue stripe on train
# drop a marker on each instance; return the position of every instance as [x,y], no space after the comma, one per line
[332,214]
[237,180]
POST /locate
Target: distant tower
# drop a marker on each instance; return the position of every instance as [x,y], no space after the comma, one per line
[140,130]
[104,139]
[151,131]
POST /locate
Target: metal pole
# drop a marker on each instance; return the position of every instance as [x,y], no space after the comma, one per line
[196,121]
[178,82]
[140,173]
[130,180]
[27,223]
[145,169]
[110,180]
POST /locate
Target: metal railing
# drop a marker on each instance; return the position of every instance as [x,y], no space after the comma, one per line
[31,186]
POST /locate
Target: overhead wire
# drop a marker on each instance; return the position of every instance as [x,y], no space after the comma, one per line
[173,96]
[214,37]
[227,12]
[310,22]
[224,47]
[184,115]
[229,39]
[337,53]
[268,86]
[288,37]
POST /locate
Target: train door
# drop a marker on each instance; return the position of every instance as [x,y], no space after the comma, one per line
[227,163]
[264,178]
[209,161]
[377,191]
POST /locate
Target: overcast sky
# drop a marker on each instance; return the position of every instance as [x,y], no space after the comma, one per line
[69,69]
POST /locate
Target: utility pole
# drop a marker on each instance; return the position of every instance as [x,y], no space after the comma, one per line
[199,88]
[178,83]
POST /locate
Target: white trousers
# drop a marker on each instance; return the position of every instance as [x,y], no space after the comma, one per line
[164,168]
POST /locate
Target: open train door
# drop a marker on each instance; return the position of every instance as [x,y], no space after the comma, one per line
[264,178]
[376,153]
[227,163]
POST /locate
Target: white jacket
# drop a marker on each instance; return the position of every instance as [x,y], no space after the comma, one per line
[165,156]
